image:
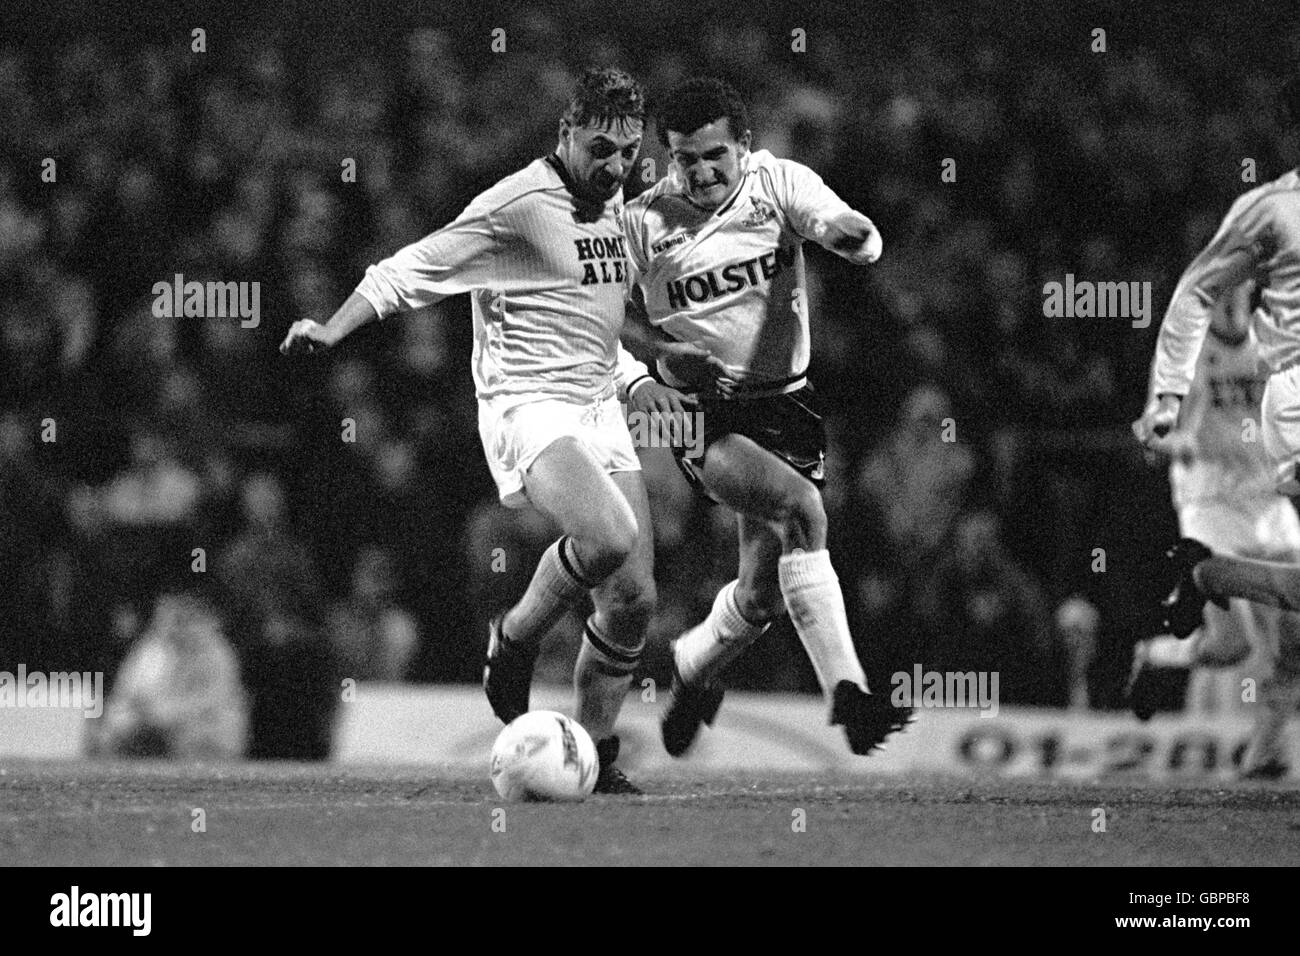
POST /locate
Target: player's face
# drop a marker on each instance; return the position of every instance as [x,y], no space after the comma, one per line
[710,161]
[600,157]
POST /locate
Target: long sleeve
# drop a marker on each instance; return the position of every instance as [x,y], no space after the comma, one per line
[1224,264]
[457,258]
[809,204]
[629,373]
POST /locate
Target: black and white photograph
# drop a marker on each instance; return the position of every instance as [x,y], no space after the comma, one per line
[594,434]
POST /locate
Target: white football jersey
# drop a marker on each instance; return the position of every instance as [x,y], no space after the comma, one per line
[1221,414]
[1258,238]
[547,285]
[731,280]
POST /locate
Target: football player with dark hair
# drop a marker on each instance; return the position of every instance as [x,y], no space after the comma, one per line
[718,247]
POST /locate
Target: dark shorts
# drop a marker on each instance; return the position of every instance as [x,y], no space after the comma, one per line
[788,426]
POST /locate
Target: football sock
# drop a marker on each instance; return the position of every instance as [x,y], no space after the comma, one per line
[812,596]
[1168,651]
[601,680]
[557,585]
[703,652]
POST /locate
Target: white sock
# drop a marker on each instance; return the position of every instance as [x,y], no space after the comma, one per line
[816,605]
[1165,650]
[601,679]
[704,652]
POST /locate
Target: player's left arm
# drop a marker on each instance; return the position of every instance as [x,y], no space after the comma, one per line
[816,212]
[1229,260]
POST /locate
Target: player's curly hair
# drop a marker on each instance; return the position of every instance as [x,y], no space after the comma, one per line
[606,95]
[699,102]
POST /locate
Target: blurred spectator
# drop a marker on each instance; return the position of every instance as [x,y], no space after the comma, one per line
[982,612]
[374,638]
[917,480]
[1077,623]
[178,692]
[274,603]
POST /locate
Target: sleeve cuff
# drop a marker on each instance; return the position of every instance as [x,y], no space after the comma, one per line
[637,383]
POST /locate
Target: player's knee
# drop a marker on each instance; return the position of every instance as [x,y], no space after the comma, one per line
[605,551]
[632,600]
[757,605]
[801,519]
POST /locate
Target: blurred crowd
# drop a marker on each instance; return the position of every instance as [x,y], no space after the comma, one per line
[338,513]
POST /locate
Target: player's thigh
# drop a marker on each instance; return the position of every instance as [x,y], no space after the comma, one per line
[759,588]
[750,480]
[633,584]
[568,485]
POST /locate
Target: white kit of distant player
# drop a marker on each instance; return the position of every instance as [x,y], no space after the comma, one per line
[1223,490]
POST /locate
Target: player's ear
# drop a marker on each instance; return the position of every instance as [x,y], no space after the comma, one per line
[742,143]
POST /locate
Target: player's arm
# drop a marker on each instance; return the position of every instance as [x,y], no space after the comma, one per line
[816,212]
[1225,263]
[456,258]
[308,336]
[642,391]
[851,235]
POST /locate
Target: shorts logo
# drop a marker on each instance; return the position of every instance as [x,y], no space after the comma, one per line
[763,212]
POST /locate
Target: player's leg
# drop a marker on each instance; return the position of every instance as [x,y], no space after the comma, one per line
[615,637]
[599,531]
[753,481]
[1277,692]
[1201,575]
[741,612]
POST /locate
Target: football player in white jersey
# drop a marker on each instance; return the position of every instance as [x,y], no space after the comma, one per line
[543,257]
[1259,239]
[1223,490]
[717,246]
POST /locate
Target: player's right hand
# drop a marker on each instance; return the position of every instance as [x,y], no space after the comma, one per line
[653,397]
[306,336]
[1158,420]
[690,363]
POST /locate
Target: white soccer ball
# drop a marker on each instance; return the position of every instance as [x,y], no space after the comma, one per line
[544,755]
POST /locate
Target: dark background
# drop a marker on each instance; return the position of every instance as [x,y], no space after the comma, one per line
[185,433]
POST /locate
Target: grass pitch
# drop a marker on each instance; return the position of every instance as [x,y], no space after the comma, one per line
[144,813]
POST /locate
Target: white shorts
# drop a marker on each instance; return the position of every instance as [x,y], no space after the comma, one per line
[1264,528]
[1280,428]
[513,439]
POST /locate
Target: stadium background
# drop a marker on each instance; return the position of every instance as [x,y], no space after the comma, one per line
[327,556]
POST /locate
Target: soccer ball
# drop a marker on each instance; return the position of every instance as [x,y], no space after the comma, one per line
[544,755]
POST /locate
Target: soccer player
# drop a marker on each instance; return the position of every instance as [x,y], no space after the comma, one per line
[717,246]
[1223,492]
[543,257]
[1260,239]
